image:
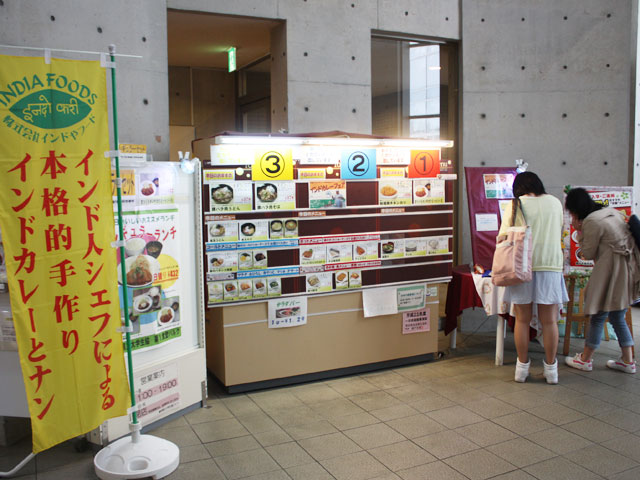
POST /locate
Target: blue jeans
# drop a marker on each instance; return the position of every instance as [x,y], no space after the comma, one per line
[616,319]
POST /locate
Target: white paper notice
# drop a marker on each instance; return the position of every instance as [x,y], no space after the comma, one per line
[411,297]
[287,312]
[157,391]
[486,222]
[379,301]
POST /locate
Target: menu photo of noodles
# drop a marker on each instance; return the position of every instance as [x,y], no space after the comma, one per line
[252,230]
[222,231]
[275,195]
[229,196]
[394,192]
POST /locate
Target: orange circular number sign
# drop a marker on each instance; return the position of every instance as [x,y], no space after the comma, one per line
[424,163]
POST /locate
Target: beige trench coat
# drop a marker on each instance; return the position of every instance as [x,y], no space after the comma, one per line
[614,281]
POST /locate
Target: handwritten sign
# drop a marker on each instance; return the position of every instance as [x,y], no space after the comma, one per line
[287,312]
[129,151]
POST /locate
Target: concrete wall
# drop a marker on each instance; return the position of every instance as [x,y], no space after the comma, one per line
[327,47]
[136,28]
[549,82]
[567,112]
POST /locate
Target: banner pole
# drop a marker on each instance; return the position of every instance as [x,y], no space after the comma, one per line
[141,456]
[123,268]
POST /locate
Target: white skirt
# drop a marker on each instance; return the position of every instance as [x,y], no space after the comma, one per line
[546,288]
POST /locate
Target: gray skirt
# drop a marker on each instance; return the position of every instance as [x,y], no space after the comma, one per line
[546,288]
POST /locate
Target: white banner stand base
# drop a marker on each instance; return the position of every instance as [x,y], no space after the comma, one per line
[148,457]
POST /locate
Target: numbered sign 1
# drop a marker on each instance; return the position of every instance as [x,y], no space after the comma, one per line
[273,165]
[424,163]
[356,164]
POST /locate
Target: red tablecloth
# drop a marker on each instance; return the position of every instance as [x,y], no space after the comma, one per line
[461,295]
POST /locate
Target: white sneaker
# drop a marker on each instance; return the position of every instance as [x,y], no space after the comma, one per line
[551,372]
[577,362]
[621,365]
[522,371]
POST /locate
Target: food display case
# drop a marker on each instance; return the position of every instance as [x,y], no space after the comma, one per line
[323,218]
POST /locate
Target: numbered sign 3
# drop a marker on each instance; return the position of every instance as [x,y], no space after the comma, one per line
[424,163]
[275,164]
[355,164]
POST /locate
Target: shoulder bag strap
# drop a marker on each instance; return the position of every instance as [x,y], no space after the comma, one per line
[515,203]
[514,210]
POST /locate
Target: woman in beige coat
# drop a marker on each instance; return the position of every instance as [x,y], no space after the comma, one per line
[605,238]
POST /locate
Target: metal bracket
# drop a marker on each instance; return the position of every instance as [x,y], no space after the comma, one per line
[203,386]
[125,329]
[104,63]
[118,243]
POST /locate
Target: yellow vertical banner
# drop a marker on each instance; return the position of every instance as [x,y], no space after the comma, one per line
[57,226]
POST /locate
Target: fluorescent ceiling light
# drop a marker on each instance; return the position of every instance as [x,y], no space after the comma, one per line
[331,141]
[415,143]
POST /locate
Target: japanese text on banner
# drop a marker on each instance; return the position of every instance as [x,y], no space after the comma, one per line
[57,226]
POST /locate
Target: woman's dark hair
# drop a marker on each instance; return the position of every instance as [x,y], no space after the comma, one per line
[527,182]
[580,203]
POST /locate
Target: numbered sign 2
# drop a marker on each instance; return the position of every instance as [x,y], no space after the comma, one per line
[424,163]
[356,164]
[273,165]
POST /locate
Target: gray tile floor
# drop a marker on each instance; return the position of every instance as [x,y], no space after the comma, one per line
[457,418]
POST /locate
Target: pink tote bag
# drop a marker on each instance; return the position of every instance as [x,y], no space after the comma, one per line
[512,258]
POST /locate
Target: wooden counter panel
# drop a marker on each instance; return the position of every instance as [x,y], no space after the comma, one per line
[336,336]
